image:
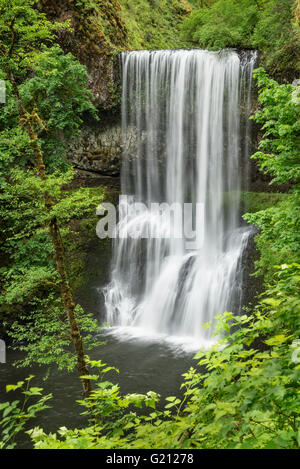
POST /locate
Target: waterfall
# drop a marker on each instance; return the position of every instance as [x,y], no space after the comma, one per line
[186,141]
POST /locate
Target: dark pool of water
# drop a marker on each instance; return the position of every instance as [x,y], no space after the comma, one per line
[144,365]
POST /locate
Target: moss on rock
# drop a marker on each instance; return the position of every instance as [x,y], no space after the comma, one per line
[254,201]
[101,29]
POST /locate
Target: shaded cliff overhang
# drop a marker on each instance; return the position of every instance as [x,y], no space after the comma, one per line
[96,35]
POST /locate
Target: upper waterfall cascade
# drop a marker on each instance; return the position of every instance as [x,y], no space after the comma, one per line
[186,129]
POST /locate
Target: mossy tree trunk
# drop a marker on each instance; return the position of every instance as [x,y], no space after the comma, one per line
[28,122]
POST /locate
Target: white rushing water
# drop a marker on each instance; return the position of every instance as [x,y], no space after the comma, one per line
[186,140]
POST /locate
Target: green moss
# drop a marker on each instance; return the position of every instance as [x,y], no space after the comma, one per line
[278,240]
[154,24]
[101,26]
[251,202]
[255,201]
[271,26]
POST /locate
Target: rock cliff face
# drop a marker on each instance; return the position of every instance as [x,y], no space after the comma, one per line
[98,150]
[99,31]
[96,36]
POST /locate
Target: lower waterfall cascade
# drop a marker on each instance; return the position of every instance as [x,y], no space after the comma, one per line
[186,142]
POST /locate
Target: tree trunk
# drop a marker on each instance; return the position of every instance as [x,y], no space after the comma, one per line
[69,305]
[57,243]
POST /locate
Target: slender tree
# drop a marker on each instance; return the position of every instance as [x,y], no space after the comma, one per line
[23,29]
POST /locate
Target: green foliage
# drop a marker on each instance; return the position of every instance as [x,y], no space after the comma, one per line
[279,118]
[112,416]
[279,156]
[248,397]
[57,93]
[46,98]
[279,237]
[24,216]
[46,339]
[256,201]
[15,415]
[107,407]
[29,281]
[225,24]
[253,201]
[23,29]
[52,85]
[277,36]
[154,24]
[267,25]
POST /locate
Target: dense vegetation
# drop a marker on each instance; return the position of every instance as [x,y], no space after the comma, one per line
[271,26]
[248,395]
[46,95]
[154,24]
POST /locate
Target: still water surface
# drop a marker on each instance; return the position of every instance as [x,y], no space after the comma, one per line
[143,366]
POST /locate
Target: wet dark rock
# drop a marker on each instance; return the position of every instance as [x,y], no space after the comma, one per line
[98,151]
